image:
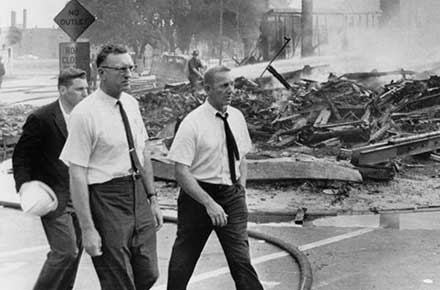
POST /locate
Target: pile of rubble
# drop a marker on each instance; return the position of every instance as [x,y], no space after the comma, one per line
[159,108]
[338,114]
[340,109]
[406,107]
[12,119]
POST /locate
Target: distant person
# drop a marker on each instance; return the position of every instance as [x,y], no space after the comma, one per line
[210,166]
[195,70]
[2,71]
[109,163]
[36,157]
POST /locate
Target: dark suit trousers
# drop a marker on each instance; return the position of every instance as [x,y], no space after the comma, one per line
[194,227]
[64,236]
[122,216]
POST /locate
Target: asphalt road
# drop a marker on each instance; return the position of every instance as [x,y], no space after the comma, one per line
[35,90]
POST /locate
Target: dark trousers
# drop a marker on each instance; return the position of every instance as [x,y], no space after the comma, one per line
[122,216]
[194,227]
[64,236]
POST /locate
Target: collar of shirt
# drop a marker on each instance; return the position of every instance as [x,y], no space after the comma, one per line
[213,111]
[104,97]
[65,115]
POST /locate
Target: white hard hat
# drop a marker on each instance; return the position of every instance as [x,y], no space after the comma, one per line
[37,198]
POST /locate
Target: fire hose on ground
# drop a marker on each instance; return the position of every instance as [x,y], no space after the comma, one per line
[305,269]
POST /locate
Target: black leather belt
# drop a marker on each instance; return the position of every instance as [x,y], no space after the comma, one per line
[214,187]
[130,177]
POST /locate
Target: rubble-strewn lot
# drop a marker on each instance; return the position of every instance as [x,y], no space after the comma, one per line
[320,119]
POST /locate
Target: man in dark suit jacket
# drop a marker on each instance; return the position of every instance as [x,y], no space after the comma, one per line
[36,157]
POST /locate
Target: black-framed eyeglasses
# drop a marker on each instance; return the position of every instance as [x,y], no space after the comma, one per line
[121,70]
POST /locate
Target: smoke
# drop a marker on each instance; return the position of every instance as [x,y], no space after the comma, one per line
[410,40]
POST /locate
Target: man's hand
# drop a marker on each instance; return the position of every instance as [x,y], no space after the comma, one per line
[92,242]
[217,214]
[157,213]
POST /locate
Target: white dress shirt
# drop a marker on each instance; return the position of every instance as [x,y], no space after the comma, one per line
[65,115]
[200,143]
[97,138]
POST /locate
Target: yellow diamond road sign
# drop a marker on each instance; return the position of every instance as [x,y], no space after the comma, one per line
[74,19]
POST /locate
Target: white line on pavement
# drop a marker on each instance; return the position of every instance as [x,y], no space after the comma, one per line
[224,270]
[335,239]
[274,256]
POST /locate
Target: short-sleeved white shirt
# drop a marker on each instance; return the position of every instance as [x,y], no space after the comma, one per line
[97,138]
[200,143]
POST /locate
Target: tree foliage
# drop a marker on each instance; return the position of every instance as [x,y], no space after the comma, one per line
[126,22]
[171,24]
[201,19]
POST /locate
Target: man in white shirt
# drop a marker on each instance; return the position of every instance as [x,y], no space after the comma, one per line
[36,157]
[113,194]
[209,152]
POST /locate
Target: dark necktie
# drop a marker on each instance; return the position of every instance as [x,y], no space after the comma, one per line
[135,163]
[231,145]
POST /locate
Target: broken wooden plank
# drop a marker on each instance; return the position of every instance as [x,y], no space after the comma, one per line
[342,124]
[377,172]
[399,147]
[289,140]
[298,126]
[323,117]
[332,142]
[366,116]
[277,169]
[379,133]
[435,157]
[287,118]
[333,108]
[348,134]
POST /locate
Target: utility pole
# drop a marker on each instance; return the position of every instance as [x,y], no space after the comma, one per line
[307,28]
[221,34]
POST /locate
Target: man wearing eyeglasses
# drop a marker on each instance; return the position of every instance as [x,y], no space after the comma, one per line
[111,179]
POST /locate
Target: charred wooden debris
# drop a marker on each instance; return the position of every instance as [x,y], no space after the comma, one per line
[340,116]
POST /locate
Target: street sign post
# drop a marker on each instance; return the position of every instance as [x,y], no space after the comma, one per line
[75,54]
[74,19]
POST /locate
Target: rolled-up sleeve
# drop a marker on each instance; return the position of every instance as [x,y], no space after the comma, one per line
[184,145]
[78,147]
